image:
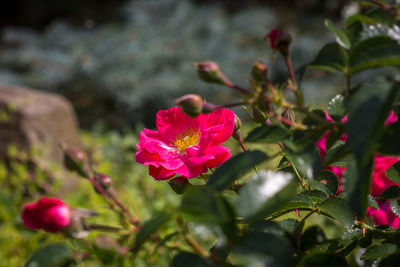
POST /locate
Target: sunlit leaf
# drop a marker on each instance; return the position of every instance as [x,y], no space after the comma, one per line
[341,36]
[267,134]
[234,168]
[379,251]
[339,210]
[266,192]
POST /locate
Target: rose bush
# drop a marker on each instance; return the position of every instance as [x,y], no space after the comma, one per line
[301,159]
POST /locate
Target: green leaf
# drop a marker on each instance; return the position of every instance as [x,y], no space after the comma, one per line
[341,37]
[203,204]
[184,259]
[393,173]
[336,108]
[234,168]
[316,196]
[330,58]
[290,225]
[372,202]
[353,31]
[379,251]
[391,192]
[53,255]
[298,202]
[267,134]
[327,182]
[378,51]
[395,207]
[307,160]
[312,237]
[360,18]
[389,143]
[266,192]
[339,210]
[368,107]
[391,261]
[149,228]
[326,259]
[267,227]
[266,249]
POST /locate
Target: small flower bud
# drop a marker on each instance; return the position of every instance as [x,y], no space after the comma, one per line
[191,104]
[48,214]
[104,180]
[236,131]
[238,123]
[179,184]
[259,72]
[76,160]
[259,115]
[279,40]
[209,72]
[288,114]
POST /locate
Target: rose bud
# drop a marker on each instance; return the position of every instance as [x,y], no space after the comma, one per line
[48,214]
[179,184]
[288,114]
[76,160]
[259,72]
[279,40]
[191,104]
[209,72]
[236,131]
[259,115]
[104,180]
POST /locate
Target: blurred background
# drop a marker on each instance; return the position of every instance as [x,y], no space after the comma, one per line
[119,61]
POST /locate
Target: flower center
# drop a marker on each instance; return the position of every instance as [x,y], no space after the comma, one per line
[189,137]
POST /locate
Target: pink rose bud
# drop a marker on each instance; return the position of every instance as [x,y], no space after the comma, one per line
[104,180]
[236,131]
[259,72]
[288,114]
[179,184]
[76,160]
[209,72]
[48,214]
[238,123]
[279,40]
[191,104]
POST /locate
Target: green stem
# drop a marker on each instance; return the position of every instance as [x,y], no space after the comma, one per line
[301,179]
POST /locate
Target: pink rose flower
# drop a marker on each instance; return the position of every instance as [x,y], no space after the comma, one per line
[184,145]
[49,214]
[379,180]
[273,36]
[384,216]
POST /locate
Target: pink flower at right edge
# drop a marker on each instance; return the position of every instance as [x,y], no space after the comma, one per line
[49,214]
[383,216]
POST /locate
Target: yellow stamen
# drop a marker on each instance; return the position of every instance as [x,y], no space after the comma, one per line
[189,137]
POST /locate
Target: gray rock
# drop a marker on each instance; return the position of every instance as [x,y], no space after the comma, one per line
[36,120]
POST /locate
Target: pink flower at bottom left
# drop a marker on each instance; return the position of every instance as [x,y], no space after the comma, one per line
[184,145]
[49,214]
